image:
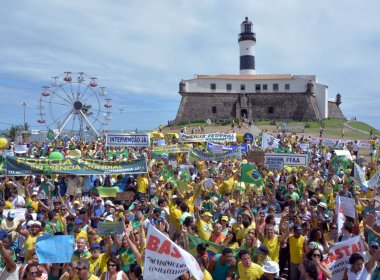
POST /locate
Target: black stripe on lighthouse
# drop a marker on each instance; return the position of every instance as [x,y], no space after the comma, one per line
[247,62]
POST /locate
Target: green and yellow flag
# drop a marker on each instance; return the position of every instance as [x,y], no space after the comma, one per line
[250,174]
[212,248]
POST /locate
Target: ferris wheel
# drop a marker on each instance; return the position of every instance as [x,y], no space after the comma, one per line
[75,104]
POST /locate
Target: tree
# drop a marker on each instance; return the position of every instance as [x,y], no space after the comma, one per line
[16,130]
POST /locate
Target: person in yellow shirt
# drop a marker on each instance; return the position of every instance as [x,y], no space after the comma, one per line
[247,269]
[142,186]
[272,241]
[174,212]
[203,224]
[79,232]
[297,243]
[98,260]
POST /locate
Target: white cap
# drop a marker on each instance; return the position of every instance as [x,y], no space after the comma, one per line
[271,267]
[109,218]
[34,193]
[109,202]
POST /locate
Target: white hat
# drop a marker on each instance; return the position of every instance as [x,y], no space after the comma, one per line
[34,193]
[109,218]
[271,267]
[323,205]
[109,202]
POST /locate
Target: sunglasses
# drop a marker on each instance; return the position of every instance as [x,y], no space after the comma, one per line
[34,273]
[111,264]
[317,255]
[79,269]
[334,228]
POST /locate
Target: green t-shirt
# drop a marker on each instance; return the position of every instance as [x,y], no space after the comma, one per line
[127,257]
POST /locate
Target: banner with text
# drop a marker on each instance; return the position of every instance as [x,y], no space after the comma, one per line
[288,159]
[195,155]
[110,228]
[171,149]
[120,139]
[211,137]
[217,148]
[346,204]
[18,166]
[337,259]
[166,260]
[332,142]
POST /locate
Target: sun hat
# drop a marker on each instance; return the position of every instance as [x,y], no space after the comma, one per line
[271,267]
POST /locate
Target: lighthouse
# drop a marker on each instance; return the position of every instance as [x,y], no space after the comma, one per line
[247,42]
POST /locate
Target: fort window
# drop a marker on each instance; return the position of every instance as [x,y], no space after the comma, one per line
[270,110]
[287,86]
[213,86]
[242,87]
[275,87]
[228,86]
[213,109]
[265,87]
[258,87]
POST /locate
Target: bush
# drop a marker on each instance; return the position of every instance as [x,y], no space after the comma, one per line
[307,125]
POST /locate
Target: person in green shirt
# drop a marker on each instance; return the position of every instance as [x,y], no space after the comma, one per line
[53,225]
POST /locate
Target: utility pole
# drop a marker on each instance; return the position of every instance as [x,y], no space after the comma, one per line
[121,109]
[24,104]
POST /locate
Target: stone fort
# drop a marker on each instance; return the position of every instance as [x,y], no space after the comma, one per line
[257,96]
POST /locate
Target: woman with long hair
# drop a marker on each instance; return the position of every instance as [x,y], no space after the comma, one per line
[316,255]
[114,271]
[317,240]
[135,272]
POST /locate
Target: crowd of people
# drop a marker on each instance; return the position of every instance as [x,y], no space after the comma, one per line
[282,228]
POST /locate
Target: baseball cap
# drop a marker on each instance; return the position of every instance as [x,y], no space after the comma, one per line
[374,244]
[297,227]
[323,205]
[76,202]
[34,193]
[225,218]
[207,214]
[98,198]
[95,246]
[263,250]
[78,222]
[11,215]
[157,210]
[109,202]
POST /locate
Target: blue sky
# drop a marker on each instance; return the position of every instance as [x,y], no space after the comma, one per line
[140,50]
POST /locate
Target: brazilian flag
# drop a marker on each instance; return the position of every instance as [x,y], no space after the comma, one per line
[250,174]
[50,135]
[340,163]
[185,176]
[212,248]
[166,173]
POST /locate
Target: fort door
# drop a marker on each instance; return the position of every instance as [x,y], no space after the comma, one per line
[243,113]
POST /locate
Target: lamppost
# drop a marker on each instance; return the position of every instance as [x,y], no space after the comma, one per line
[24,104]
[122,121]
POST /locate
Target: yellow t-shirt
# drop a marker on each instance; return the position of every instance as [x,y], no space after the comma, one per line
[175,215]
[99,264]
[92,277]
[296,249]
[243,232]
[273,247]
[34,204]
[253,272]
[29,245]
[8,205]
[142,184]
[204,229]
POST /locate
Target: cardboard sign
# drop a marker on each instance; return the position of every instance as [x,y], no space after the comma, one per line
[256,156]
[120,139]
[55,248]
[123,196]
[290,159]
[110,228]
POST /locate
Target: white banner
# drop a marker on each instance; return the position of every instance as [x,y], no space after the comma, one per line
[166,260]
[21,149]
[288,159]
[346,204]
[269,142]
[331,142]
[120,139]
[211,137]
[337,259]
[195,155]
[19,212]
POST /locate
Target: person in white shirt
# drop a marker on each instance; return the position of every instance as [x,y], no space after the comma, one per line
[357,269]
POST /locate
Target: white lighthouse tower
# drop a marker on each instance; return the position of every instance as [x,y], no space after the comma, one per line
[247,42]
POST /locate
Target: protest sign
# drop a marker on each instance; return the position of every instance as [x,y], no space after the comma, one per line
[18,166]
[120,139]
[211,137]
[274,163]
[337,259]
[289,159]
[217,148]
[166,260]
[108,191]
[110,228]
[123,196]
[8,153]
[208,182]
[195,155]
[19,212]
[269,142]
[347,205]
[21,149]
[256,156]
[55,248]
[172,149]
